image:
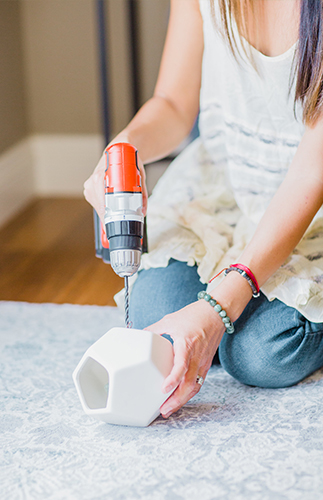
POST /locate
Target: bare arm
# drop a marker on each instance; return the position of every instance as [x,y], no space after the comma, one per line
[167,118]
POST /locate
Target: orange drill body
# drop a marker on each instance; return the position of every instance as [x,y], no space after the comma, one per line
[120,241]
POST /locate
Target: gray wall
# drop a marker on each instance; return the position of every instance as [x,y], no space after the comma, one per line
[13,118]
[153,19]
[61,66]
[49,64]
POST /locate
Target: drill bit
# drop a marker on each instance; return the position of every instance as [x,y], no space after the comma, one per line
[126,286]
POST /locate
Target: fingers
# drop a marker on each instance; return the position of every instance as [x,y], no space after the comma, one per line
[193,354]
[181,355]
[94,188]
[143,187]
[188,388]
[144,199]
[181,363]
[183,378]
[183,351]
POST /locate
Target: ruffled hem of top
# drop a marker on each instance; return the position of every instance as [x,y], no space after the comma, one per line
[301,293]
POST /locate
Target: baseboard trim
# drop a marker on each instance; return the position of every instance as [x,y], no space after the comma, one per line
[46,165]
[53,165]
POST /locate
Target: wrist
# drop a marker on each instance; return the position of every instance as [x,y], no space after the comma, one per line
[222,314]
[211,319]
[233,293]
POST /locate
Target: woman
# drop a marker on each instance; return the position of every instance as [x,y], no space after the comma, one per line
[245,196]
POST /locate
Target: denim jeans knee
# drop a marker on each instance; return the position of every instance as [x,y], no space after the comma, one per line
[273,346]
[164,290]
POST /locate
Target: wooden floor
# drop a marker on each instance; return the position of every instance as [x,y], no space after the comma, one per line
[47,255]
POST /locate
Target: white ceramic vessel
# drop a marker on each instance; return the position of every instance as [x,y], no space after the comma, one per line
[120,376]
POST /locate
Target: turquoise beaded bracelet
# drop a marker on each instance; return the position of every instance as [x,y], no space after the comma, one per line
[229,328]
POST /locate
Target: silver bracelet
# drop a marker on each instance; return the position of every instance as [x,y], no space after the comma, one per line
[243,273]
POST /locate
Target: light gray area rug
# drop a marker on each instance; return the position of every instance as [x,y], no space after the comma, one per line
[230,442]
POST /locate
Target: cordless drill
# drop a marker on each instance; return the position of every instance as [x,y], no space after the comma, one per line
[120,243]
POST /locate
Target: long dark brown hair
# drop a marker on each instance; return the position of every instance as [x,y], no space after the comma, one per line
[309,57]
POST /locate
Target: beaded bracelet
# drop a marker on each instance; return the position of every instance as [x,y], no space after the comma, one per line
[229,328]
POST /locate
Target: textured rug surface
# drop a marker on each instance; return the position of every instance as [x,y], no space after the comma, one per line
[230,442]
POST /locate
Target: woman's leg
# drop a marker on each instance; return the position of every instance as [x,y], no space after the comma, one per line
[273,345]
[163,290]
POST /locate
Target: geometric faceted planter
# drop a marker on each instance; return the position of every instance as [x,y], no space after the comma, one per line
[120,376]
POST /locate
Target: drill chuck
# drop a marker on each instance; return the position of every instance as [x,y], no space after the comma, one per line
[125,238]
[125,262]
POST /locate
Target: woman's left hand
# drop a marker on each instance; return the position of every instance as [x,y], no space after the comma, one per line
[197,331]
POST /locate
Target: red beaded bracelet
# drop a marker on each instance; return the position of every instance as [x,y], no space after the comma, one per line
[249,273]
[245,273]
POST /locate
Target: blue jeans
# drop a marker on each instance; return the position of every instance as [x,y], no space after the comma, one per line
[273,344]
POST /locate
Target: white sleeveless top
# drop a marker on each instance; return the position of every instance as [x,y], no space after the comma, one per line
[205,208]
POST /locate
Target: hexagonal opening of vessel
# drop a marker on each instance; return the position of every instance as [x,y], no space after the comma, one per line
[94,384]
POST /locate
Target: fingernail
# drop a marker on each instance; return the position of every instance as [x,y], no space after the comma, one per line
[168,414]
[167,389]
